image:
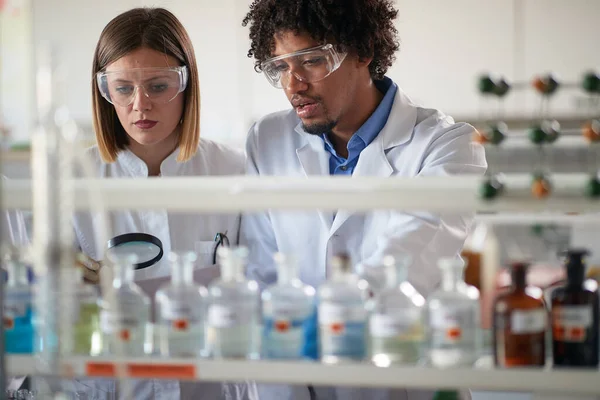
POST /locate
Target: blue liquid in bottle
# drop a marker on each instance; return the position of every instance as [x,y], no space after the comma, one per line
[342,316]
[18,309]
[288,315]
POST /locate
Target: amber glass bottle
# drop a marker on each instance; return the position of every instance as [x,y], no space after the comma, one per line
[575,317]
[520,321]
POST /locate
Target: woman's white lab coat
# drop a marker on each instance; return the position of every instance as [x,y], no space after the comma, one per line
[178,232]
[414,142]
[13,230]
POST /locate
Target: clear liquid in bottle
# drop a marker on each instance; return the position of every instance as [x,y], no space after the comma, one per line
[180,307]
[342,315]
[233,319]
[454,329]
[124,324]
[397,317]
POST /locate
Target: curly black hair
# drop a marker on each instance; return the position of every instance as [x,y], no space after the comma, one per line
[364,26]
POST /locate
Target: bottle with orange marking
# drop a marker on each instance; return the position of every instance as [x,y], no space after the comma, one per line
[342,315]
[397,318]
[519,323]
[453,314]
[233,317]
[124,322]
[575,316]
[180,308]
[288,311]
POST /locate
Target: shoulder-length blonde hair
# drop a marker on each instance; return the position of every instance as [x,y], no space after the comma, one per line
[157,29]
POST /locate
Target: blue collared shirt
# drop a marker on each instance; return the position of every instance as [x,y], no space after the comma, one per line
[365,134]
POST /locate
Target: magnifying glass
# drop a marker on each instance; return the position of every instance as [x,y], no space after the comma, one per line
[147,248]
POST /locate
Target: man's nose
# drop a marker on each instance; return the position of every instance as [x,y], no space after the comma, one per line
[294,84]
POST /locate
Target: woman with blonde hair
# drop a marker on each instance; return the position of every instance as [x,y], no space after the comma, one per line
[146,115]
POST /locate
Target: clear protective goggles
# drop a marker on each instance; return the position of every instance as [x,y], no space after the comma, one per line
[309,65]
[160,85]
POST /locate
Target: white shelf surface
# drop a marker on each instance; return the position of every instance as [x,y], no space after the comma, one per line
[235,194]
[354,375]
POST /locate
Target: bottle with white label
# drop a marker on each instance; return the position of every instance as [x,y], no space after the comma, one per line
[575,316]
[18,308]
[453,315]
[288,312]
[180,309]
[342,315]
[397,318]
[125,311]
[233,319]
[519,323]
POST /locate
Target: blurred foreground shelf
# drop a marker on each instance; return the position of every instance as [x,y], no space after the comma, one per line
[359,374]
[358,194]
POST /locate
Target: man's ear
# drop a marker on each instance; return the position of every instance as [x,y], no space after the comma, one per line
[365,61]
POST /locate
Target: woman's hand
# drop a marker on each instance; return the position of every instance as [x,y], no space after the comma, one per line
[90,268]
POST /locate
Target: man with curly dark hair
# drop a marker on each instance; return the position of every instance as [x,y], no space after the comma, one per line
[331,57]
[361,31]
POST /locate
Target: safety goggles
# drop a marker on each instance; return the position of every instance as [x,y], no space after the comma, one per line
[160,85]
[309,65]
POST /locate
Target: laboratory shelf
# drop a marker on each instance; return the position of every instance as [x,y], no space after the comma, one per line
[511,218]
[571,139]
[235,194]
[357,375]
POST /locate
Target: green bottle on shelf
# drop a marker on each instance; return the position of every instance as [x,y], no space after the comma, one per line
[447,395]
[85,314]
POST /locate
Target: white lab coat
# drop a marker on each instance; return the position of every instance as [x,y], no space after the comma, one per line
[178,232]
[13,230]
[414,142]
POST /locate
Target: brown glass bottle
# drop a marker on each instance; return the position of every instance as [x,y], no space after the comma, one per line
[575,317]
[519,323]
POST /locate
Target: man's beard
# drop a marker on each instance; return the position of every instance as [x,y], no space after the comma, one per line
[319,129]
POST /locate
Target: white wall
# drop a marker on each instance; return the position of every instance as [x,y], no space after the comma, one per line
[445,46]
[217,35]
[16,68]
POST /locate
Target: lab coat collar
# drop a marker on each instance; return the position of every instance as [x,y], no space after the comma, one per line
[401,123]
[372,160]
[397,130]
[138,168]
[315,161]
[170,166]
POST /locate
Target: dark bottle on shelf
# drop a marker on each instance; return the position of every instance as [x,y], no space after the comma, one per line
[519,323]
[447,395]
[575,316]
